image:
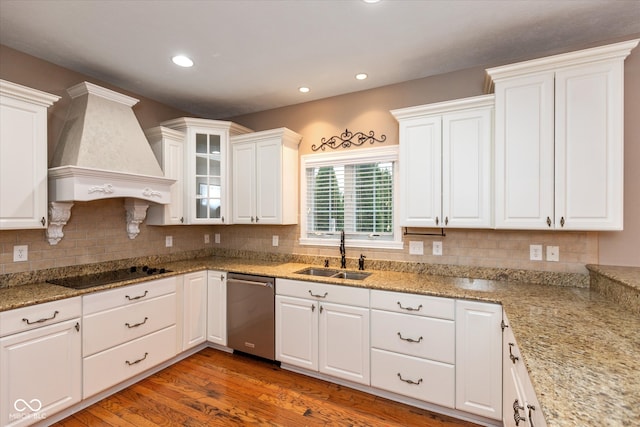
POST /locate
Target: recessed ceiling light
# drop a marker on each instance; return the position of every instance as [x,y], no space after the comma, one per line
[182,61]
[371,1]
[304,89]
[361,76]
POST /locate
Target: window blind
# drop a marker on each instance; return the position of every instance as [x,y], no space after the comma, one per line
[356,198]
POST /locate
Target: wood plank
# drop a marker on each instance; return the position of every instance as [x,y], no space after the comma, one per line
[214,388]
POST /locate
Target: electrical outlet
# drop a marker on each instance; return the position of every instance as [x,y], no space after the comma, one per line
[437,248]
[168,241]
[535,252]
[216,237]
[274,240]
[20,253]
[416,248]
[206,239]
[553,253]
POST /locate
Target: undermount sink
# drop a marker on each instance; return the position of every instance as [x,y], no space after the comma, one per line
[336,274]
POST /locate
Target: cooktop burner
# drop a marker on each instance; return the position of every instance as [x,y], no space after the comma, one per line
[106,277]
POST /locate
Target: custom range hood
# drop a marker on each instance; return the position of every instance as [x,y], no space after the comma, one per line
[102,153]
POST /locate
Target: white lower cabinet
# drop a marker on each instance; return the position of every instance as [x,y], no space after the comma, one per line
[40,367]
[520,407]
[479,358]
[128,331]
[217,307]
[323,328]
[194,306]
[413,346]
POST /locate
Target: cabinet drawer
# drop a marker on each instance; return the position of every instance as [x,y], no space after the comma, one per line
[430,381]
[110,367]
[416,336]
[127,295]
[26,318]
[420,305]
[112,327]
[323,292]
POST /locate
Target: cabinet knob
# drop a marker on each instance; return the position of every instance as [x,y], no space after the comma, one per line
[257,219]
[251,218]
[437,221]
[43,221]
[222,277]
[548,222]
[531,408]
[222,218]
[503,325]
[562,222]
[181,220]
[446,220]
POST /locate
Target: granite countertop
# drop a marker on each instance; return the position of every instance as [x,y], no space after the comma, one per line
[581,349]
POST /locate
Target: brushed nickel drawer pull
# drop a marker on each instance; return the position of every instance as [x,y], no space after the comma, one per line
[516,412]
[137,324]
[409,381]
[55,313]
[409,339]
[137,361]
[318,296]
[138,297]
[531,408]
[513,358]
[410,308]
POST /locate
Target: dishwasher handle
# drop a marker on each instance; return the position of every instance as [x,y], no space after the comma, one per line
[250,282]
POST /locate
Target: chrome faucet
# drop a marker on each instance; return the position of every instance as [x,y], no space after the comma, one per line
[343,252]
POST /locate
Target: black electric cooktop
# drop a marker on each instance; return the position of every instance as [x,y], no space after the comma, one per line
[106,277]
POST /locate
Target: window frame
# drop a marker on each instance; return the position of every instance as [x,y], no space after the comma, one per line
[350,157]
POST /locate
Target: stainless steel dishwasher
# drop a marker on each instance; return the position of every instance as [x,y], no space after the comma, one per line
[251,314]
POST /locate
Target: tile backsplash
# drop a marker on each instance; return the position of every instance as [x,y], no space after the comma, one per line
[96,232]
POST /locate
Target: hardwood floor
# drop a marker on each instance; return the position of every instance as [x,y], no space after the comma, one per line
[213,388]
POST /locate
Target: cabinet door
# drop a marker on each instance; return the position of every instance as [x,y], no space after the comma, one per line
[23,164]
[297,332]
[207,176]
[589,147]
[524,157]
[420,172]
[479,358]
[168,147]
[466,163]
[217,307]
[269,181]
[194,330]
[344,342]
[244,183]
[41,372]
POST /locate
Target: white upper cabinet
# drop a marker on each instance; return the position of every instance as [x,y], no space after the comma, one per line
[445,163]
[168,147]
[206,172]
[265,177]
[23,156]
[559,141]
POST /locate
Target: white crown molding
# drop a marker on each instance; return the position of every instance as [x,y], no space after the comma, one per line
[444,107]
[602,53]
[28,94]
[89,88]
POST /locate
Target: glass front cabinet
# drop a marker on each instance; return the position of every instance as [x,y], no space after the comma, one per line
[206,176]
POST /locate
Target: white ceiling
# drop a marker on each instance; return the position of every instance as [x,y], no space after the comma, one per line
[252,55]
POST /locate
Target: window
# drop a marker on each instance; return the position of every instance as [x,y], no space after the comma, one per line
[354,192]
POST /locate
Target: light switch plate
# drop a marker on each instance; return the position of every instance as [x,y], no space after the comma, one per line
[535,252]
[274,240]
[416,248]
[553,253]
[437,248]
[168,241]
[216,237]
[206,239]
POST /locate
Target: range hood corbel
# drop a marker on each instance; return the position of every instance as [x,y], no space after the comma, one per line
[102,153]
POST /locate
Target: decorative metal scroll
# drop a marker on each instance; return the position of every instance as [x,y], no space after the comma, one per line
[347,139]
